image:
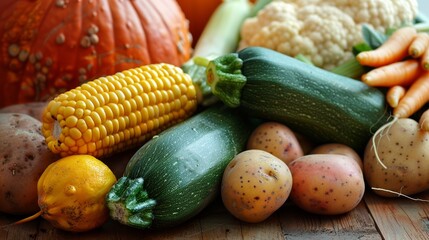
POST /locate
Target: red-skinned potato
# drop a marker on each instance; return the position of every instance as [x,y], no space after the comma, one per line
[326,184]
[254,185]
[338,148]
[276,139]
[23,158]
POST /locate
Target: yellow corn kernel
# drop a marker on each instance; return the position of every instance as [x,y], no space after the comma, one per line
[96,118]
[71,121]
[80,143]
[114,113]
[69,142]
[91,147]
[81,125]
[83,149]
[87,135]
[89,121]
[79,113]
[75,133]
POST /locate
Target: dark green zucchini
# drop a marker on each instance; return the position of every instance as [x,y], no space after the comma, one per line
[178,173]
[324,106]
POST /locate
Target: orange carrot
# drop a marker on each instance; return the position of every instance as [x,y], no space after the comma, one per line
[419,45]
[424,120]
[394,49]
[394,94]
[399,73]
[425,59]
[415,97]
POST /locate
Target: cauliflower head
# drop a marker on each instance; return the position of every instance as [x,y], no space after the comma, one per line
[322,30]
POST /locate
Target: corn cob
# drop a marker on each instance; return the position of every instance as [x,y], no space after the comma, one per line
[114,113]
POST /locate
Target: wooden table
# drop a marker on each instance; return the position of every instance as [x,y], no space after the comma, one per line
[374,218]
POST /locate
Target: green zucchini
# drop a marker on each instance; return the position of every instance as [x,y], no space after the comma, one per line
[178,173]
[324,106]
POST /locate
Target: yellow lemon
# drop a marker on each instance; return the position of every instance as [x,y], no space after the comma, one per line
[72,190]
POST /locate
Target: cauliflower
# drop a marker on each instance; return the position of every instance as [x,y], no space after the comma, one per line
[322,30]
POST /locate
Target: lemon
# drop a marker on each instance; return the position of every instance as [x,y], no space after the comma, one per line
[72,190]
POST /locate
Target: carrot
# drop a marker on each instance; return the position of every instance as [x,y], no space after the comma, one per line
[425,59]
[394,94]
[394,49]
[399,73]
[415,97]
[424,120]
[419,45]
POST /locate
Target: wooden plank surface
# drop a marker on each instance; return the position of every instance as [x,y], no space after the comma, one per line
[400,218]
[358,224]
[374,218]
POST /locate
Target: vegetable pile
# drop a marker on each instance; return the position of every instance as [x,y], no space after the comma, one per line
[322,30]
[398,150]
[71,193]
[402,65]
[23,159]
[259,123]
[49,46]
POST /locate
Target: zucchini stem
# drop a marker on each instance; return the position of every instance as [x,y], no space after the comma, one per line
[130,204]
[220,36]
[225,78]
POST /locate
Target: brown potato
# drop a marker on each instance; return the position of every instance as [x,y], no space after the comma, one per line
[23,158]
[401,164]
[254,185]
[34,109]
[276,139]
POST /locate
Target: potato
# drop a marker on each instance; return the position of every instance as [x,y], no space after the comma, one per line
[305,142]
[404,150]
[338,148]
[34,109]
[276,139]
[326,184]
[23,158]
[254,185]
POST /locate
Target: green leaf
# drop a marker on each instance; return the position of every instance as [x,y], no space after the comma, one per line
[372,37]
[361,47]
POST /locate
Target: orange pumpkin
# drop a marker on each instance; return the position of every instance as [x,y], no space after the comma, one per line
[50,46]
[198,13]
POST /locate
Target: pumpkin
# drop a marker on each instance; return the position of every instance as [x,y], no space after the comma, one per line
[198,13]
[50,46]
